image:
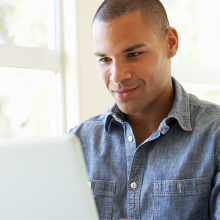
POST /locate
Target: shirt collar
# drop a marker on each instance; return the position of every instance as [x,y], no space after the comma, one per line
[180,110]
[115,113]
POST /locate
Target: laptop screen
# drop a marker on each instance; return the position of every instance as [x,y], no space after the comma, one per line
[44,178]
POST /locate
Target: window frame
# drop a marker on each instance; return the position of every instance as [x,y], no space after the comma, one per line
[195,74]
[62,61]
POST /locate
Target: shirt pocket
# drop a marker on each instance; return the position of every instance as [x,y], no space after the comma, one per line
[181,199]
[103,192]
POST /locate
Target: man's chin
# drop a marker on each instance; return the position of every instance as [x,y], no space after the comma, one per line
[127,108]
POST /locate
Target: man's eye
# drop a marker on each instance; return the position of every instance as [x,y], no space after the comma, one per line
[134,54]
[104,60]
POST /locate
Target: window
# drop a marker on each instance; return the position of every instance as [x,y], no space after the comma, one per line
[27,23]
[197,64]
[31,69]
[27,103]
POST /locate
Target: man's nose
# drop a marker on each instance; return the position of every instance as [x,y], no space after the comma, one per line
[119,72]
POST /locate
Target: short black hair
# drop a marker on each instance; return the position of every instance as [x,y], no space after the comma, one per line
[153,12]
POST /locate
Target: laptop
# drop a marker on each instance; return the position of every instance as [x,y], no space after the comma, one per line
[44,179]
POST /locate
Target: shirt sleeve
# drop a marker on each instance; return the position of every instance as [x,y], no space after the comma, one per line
[72,131]
[215,194]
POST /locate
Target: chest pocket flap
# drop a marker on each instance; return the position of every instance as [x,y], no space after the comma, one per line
[181,199]
[103,192]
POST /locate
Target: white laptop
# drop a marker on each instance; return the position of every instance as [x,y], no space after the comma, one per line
[44,179]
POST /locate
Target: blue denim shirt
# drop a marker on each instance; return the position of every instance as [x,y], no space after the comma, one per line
[174,174]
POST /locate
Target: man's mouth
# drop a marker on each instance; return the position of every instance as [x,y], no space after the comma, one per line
[124,93]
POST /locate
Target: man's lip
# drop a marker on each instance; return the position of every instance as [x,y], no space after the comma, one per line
[124,90]
[124,93]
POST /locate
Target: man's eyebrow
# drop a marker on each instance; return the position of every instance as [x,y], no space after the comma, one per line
[129,49]
[136,46]
[97,54]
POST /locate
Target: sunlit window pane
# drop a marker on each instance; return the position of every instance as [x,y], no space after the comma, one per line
[197,22]
[27,23]
[204,92]
[27,103]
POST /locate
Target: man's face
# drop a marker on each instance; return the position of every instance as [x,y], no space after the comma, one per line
[132,62]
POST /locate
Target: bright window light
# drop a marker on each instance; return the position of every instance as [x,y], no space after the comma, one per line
[27,103]
[197,22]
[28,23]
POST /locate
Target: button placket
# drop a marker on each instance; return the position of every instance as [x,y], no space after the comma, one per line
[134,184]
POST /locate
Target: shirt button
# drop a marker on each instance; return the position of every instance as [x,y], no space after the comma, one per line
[89,184]
[134,185]
[130,138]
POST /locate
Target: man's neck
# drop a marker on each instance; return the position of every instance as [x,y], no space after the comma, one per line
[146,123]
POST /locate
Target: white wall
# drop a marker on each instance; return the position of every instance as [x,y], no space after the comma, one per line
[94,97]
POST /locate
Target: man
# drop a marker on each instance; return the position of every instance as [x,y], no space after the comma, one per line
[156,153]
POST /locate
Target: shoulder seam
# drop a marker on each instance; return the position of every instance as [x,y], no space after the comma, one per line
[217,151]
[194,102]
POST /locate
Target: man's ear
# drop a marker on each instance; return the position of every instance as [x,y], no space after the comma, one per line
[172,42]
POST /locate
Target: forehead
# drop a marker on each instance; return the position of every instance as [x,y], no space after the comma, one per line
[122,32]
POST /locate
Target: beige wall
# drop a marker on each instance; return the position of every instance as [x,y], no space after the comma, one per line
[93,95]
